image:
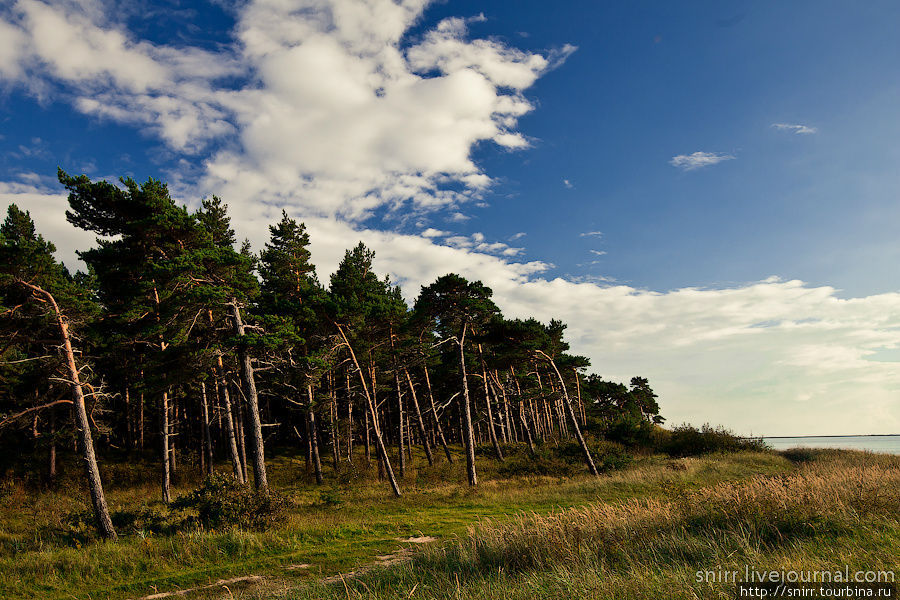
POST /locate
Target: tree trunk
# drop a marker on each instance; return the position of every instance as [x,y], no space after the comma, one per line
[166,482]
[522,416]
[98,499]
[242,446]
[371,409]
[313,438]
[207,437]
[249,383]
[419,421]
[230,434]
[490,411]
[335,423]
[568,405]
[164,446]
[437,422]
[52,444]
[468,433]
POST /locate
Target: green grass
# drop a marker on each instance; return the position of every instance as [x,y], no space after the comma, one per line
[833,509]
[333,528]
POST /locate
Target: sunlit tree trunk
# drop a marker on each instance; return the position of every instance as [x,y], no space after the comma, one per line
[249,383]
[98,499]
[468,433]
[419,421]
[588,459]
[371,411]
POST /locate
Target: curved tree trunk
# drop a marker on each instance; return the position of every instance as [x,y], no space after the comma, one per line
[419,420]
[382,451]
[437,422]
[568,406]
[492,430]
[86,445]
[249,384]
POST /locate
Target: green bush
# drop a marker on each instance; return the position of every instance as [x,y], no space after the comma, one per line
[564,460]
[687,440]
[220,501]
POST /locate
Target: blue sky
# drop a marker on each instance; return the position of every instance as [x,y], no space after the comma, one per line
[705,191]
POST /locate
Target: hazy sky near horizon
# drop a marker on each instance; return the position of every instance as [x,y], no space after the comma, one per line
[706,192]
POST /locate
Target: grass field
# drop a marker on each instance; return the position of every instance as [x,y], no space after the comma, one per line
[634,533]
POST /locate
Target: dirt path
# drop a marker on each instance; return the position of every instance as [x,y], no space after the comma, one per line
[223,586]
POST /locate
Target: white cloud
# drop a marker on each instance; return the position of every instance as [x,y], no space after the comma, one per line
[343,115]
[568,184]
[340,113]
[517,236]
[771,357]
[598,252]
[591,234]
[433,233]
[795,128]
[697,160]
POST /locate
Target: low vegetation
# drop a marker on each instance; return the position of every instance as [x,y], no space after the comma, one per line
[837,508]
[333,528]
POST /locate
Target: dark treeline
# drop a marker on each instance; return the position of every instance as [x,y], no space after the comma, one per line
[176,343]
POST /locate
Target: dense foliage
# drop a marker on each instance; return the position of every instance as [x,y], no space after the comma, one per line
[197,351]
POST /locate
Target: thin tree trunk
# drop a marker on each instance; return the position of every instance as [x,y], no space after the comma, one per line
[490,412]
[437,422]
[349,417]
[207,436]
[380,442]
[401,440]
[52,444]
[249,382]
[98,499]
[166,482]
[230,434]
[419,420]
[241,440]
[335,422]
[164,446]
[568,405]
[313,438]
[468,433]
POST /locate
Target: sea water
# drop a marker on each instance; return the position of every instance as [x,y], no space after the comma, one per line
[888,444]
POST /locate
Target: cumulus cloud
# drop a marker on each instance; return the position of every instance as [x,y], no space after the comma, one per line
[765,357]
[697,160]
[327,108]
[795,128]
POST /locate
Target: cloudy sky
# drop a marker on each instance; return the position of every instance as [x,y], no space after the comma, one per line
[706,192]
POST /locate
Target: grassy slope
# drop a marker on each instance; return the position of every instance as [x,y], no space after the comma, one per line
[839,508]
[37,562]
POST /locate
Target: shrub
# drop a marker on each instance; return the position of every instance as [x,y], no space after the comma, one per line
[220,501]
[564,460]
[687,440]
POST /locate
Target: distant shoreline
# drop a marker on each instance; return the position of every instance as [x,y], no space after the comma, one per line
[783,437]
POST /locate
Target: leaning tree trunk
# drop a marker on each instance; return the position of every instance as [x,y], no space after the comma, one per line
[98,499]
[313,438]
[468,433]
[437,422]
[222,393]
[382,451]
[584,448]
[419,420]
[490,412]
[249,384]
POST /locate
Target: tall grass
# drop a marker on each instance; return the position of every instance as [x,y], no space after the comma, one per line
[835,508]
